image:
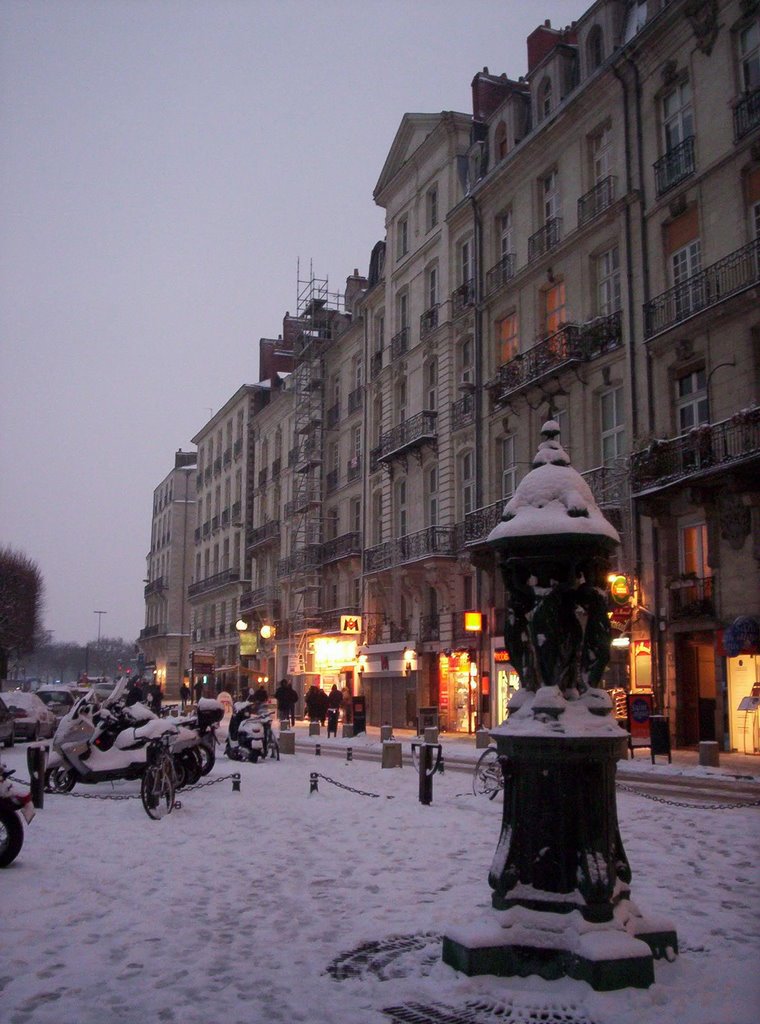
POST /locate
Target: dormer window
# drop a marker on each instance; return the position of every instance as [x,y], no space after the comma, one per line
[500,141]
[595,49]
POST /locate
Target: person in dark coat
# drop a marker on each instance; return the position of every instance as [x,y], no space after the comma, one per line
[198,690]
[334,702]
[134,692]
[261,695]
[314,703]
[184,695]
[156,696]
[286,698]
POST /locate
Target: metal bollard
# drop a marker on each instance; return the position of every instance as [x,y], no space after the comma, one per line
[349,753]
[236,782]
[427,769]
[318,749]
[36,760]
[313,783]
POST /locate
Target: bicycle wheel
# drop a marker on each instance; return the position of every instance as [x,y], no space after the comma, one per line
[157,790]
[488,779]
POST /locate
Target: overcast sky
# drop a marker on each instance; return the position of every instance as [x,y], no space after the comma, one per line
[164,164]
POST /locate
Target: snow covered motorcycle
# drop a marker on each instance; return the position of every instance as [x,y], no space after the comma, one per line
[250,735]
[15,805]
[197,736]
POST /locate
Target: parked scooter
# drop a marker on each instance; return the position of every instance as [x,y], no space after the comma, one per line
[102,742]
[14,805]
[250,732]
[201,725]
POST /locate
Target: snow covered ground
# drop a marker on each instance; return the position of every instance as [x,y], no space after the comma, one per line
[272,905]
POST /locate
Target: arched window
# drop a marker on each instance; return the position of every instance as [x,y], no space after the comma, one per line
[595,48]
[545,99]
[500,140]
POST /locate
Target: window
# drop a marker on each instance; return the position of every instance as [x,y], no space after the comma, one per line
[379,333]
[402,237]
[431,287]
[595,48]
[431,385]
[677,117]
[356,442]
[465,262]
[749,57]
[508,467]
[400,396]
[545,99]
[693,550]
[685,263]
[402,311]
[507,338]
[431,207]
[691,400]
[613,425]
[432,496]
[755,220]
[358,371]
[608,282]
[355,515]
[601,155]
[377,517]
[554,308]
[467,482]
[467,363]
[500,141]
[506,240]
[550,196]
[400,502]
[331,526]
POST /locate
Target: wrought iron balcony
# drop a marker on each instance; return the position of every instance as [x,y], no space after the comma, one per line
[354,468]
[329,620]
[433,541]
[479,523]
[463,297]
[150,631]
[398,631]
[719,281]
[262,535]
[746,114]
[500,273]
[430,627]
[333,415]
[596,200]
[545,238]
[429,320]
[331,481]
[673,168]
[305,499]
[375,364]
[345,546]
[702,452]
[463,412]
[609,485]
[415,432]
[400,343]
[691,597]
[267,597]
[374,459]
[155,586]
[219,579]
[355,399]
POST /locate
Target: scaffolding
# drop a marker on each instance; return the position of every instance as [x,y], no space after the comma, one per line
[320,313]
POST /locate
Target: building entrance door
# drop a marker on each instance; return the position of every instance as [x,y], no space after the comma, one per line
[695,688]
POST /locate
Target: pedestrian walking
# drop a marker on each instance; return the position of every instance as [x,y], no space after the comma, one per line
[184,695]
[314,703]
[334,702]
[198,690]
[134,692]
[347,705]
[156,696]
[286,698]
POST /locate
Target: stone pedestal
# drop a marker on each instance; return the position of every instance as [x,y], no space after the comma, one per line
[709,754]
[386,732]
[348,731]
[313,728]
[391,754]
[287,742]
[482,739]
[431,734]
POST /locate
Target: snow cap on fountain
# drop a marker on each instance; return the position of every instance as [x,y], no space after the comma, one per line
[552,499]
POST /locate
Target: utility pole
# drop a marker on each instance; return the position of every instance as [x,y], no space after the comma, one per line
[100,615]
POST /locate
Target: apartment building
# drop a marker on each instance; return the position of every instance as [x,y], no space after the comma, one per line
[164,640]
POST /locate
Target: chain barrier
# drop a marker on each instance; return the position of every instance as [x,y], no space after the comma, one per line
[342,785]
[682,803]
[235,776]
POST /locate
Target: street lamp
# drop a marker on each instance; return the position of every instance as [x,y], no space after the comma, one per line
[100,615]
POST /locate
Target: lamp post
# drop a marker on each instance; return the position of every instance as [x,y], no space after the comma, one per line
[100,615]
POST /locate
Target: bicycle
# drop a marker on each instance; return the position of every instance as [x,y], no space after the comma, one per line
[159,782]
[488,778]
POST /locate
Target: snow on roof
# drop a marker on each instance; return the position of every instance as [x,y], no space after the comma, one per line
[552,499]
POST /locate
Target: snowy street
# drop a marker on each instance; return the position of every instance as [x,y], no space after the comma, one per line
[242,907]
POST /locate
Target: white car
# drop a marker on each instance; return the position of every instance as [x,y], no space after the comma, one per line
[32,720]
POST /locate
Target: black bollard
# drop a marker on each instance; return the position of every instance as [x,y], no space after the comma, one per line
[236,782]
[318,749]
[350,754]
[36,759]
[313,783]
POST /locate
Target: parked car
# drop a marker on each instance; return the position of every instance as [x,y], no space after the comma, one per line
[59,699]
[33,720]
[7,732]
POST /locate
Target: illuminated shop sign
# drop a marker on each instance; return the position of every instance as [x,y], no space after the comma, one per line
[332,653]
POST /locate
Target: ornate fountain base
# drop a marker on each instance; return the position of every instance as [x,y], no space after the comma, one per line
[560,874]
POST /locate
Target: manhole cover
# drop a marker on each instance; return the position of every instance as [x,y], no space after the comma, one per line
[505,1011]
[396,956]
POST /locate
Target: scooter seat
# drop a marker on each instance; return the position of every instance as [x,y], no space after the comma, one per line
[151,730]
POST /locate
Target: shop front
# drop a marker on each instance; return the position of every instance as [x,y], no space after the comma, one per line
[333,662]
[388,679]
[507,681]
[458,691]
[739,644]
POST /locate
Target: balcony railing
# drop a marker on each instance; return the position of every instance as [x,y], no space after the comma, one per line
[430,627]
[354,468]
[333,415]
[355,399]
[435,540]
[412,433]
[263,534]
[305,498]
[732,274]
[692,598]
[701,452]
[331,481]
[500,273]
[375,364]
[262,597]
[596,200]
[673,168]
[219,579]
[374,459]
[329,620]
[155,586]
[609,485]
[345,546]
[479,523]
[463,297]
[400,343]
[746,114]
[545,238]
[463,412]
[429,320]
[149,631]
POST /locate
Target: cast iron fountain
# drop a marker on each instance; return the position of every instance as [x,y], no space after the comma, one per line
[560,876]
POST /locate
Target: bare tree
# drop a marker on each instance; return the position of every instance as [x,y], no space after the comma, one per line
[21,595]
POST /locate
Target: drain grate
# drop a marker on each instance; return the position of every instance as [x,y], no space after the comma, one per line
[396,956]
[505,1011]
